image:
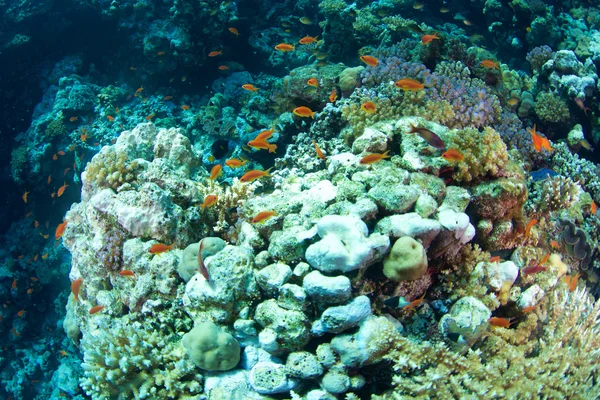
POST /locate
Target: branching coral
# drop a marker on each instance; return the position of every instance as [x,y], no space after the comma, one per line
[135,361]
[578,169]
[551,108]
[484,153]
[552,194]
[109,169]
[552,354]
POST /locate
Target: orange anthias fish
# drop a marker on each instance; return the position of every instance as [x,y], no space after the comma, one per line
[593,207]
[185,107]
[453,155]
[209,201]
[304,111]
[333,96]
[371,158]
[76,287]
[426,39]
[61,189]
[500,322]
[580,104]
[160,248]
[96,309]
[60,229]
[250,87]
[21,313]
[215,172]
[160,53]
[414,303]
[313,82]
[539,142]
[127,272]
[571,281]
[60,153]
[490,64]
[369,107]
[554,244]
[150,117]
[495,259]
[319,152]
[266,134]
[263,216]
[530,225]
[223,67]
[235,163]
[234,31]
[369,60]
[73,119]
[254,174]
[24,197]
[215,53]
[285,47]
[408,84]
[110,118]
[263,145]
[308,39]
[529,309]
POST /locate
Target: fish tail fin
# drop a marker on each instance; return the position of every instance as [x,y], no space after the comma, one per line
[413,128]
[386,154]
[267,171]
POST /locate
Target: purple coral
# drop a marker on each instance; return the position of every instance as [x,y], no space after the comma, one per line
[111,253]
[538,56]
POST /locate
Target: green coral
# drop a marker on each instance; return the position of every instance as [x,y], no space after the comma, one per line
[56,128]
[18,162]
[485,153]
[109,169]
[551,108]
[332,6]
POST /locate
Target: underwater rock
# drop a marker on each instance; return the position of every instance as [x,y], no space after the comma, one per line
[465,323]
[350,78]
[327,289]
[287,245]
[230,385]
[531,296]
[407,260]
[303,365]
[457,199]
[251,355]
[211,348]
[458,223]
[270,378]
[344,245]
[292,297]
[425,205]
[394,199]
[284,330]
[371,141]
[336,382]
[272,277]
[338,319]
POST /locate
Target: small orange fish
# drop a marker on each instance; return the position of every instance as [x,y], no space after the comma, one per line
[235,163]
[117,110]
[234,31]
[318,150]
[530,225]
[45,236]
[500,322]
[149,117]
[53,194]
[83,137]
[529,309]
[215,53]
[539,142]
[408,84]
[166,98]
[313,82]
[333,96]
[60,153]
[308,40]
[63,353]
[223,67]
[453,155]
[571,281]
[215,172]
[73,119]
[254,174]
[304,111]
[66,170]
[30,290]
[490,64]
[45,256]
[426,39]
[29,214]
[263,216]
[24,197]
[138,91]
[250,87]
[369,107]
[263,145]
[581,105]
[36,224]
[160,248]
[127,272]
[264,135]
[554,244]
[35,258]
[21,313]
[76,287]
[160,53]
[96,309]
[285,47]
[61,189]
[593,207]
[545,259]
[369,60]
[374,157]
[110,118]
[14,284]
[185,107]
[60,229]
[495,259]
[209,201]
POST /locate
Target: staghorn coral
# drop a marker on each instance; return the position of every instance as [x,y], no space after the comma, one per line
[580,170]
[484,153]
[552,194]
[551,354]
[133,360]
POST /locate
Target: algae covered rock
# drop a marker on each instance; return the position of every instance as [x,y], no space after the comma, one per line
[407,260]
[211,348]
[465,323]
